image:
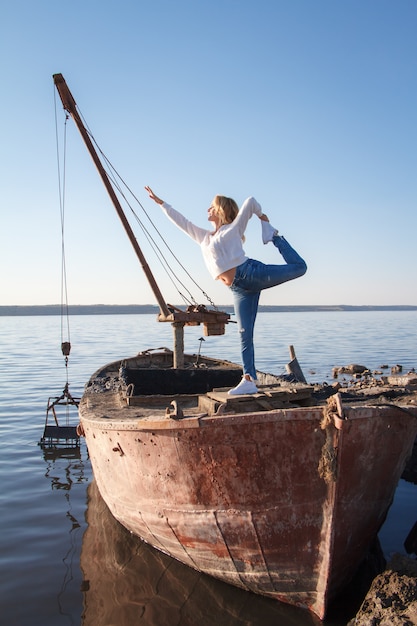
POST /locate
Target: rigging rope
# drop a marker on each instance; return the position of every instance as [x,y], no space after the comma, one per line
[65,326]
[119,183]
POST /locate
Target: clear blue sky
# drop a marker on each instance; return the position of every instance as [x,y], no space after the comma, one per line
[310,106]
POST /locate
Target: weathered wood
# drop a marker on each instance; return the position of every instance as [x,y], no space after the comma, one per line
[178,329]
[293,367]
[191,317]
[268,399]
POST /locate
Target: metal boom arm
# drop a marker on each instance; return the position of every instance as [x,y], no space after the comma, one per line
[70,106]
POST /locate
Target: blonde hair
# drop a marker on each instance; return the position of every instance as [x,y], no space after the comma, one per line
[225,208]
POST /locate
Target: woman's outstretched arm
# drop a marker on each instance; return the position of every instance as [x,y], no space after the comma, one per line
[153,196]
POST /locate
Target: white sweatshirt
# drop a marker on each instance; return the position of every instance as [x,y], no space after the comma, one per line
[222,250]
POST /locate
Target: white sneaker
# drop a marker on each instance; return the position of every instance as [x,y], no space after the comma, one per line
[244,387]
[268,231]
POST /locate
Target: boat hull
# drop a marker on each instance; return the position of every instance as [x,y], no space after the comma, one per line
[268,500]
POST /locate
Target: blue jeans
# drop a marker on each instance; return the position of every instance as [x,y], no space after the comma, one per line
[251,277]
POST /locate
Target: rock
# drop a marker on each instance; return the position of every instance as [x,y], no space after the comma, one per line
[351,369]
[392,598]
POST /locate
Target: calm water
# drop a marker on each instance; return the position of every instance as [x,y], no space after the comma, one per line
[64,560]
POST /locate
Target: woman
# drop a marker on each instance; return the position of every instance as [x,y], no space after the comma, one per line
[225,258]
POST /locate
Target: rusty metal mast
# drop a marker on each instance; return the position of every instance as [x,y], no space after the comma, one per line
[71,107]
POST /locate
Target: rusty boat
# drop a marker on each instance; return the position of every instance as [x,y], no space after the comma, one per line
[280,493]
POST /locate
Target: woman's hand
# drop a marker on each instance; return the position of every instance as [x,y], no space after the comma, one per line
[264,218]
[153,196]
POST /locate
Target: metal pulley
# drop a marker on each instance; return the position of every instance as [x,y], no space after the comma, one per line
[66,348]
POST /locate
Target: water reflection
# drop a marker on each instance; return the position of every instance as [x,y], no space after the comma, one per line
[68,471]
[64,466]
[126,582]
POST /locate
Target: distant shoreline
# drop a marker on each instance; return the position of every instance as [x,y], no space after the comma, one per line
[138,309]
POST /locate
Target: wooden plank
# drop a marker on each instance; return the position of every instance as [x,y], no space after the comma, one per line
[267,399]
[284,393]
[294,368]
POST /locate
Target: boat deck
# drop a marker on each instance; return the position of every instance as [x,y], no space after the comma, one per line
[187,408]
[147,389]
[181,406]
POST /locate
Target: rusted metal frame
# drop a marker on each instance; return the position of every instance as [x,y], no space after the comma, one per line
[52,408]
[71,401]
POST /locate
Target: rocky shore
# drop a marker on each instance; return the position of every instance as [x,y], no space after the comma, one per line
[392,597]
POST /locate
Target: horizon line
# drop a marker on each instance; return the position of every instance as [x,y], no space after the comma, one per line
[84,309]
